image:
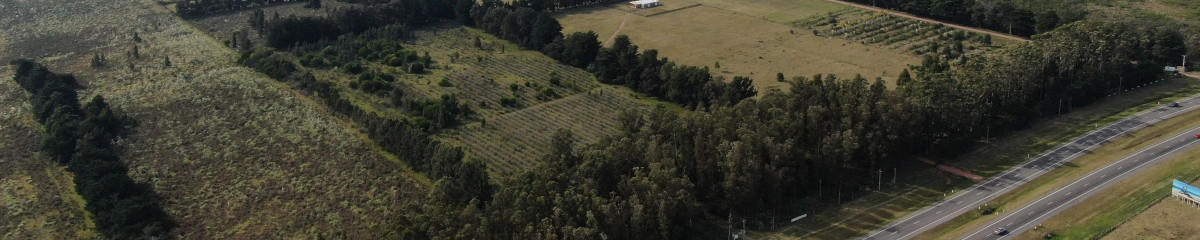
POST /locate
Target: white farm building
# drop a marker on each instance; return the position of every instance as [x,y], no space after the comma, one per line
[644,4]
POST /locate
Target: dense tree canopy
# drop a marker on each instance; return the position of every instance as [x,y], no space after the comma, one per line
[664,173]
[664,170]
[1005,16]
[200,8]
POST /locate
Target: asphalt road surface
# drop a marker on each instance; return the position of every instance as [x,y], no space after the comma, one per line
[1030,215]
[981,193]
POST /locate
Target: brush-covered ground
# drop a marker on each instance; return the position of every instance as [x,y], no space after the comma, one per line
[233,153]
[508,138]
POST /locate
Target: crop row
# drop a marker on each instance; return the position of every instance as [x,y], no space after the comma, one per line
[895,32]
[513,142]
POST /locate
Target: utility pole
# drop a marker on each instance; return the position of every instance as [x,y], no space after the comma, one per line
[893,177]
[743,229]
[879,185]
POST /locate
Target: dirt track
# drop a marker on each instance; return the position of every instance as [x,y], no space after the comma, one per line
[906,15]
[618,31]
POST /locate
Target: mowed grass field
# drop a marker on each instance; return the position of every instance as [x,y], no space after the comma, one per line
[515,141]
[743,44]
[37,196]
[233,153]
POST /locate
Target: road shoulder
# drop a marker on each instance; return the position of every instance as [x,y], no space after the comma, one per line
[1119,148]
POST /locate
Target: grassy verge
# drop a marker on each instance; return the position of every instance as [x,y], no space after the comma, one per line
[1167,219]
[918,189]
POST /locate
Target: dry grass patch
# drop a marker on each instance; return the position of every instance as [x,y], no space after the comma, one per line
[480,77]
[743,45]
[235,154]
[779,11]
[37,197]
[1168,219]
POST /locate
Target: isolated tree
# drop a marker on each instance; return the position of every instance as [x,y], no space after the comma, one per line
[258,20]
[904,78]
[416,68]
[167,61]
[740,88]
[134,53]
[98,60]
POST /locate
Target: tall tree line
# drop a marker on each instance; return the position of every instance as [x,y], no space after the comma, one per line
[665,174]
[409,139]
[1071,67]
[292,31]
[82,137]
[1005,16]
[529,28]
[201,8]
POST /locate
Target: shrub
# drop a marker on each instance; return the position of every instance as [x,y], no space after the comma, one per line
[416,68]
[354,67]
[508,102]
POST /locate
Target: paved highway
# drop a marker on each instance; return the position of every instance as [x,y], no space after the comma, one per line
[973,197]
[1030,215]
